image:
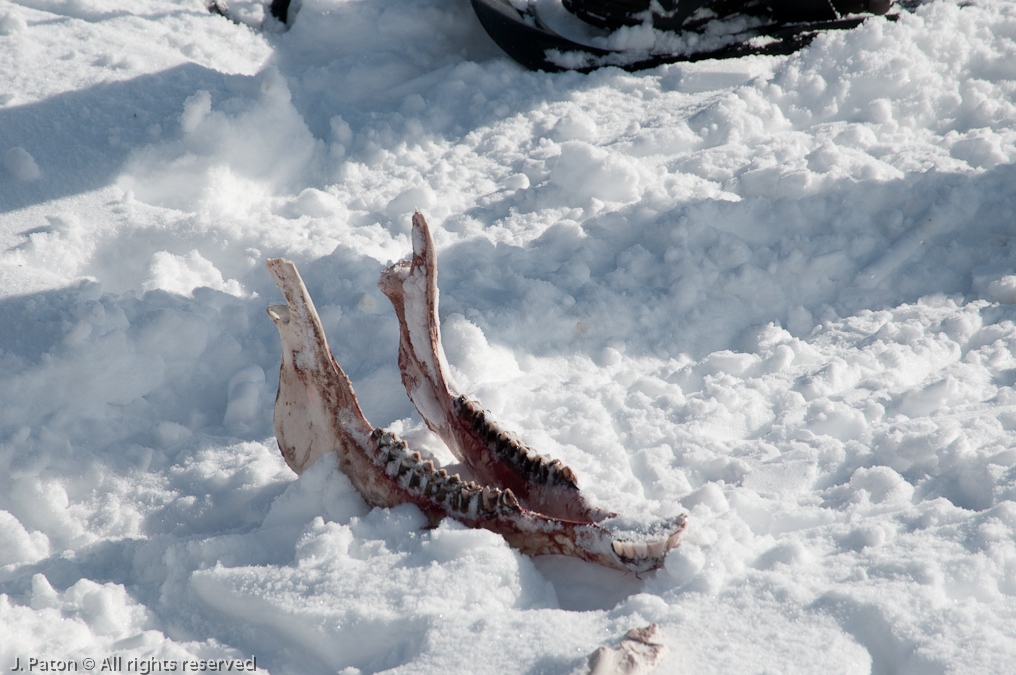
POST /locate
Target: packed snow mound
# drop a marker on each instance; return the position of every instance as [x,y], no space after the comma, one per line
[778,292]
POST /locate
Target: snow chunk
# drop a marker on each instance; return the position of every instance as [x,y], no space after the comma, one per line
[195,109]
[244,403]
[1001,290]
[12,24]
[182,274]
[585,172]
[17,545]
[474,357]
[20,164]
[877,485]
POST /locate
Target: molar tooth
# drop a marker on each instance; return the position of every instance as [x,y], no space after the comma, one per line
[454,479]
[489,498]
[428,467]
[454,497]
[405,466]
[417,457]
[441,473]
[507,498]
[377,433]
[466,501]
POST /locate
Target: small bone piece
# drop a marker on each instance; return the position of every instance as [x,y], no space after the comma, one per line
[639,652]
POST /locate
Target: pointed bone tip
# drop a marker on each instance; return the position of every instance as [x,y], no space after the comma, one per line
[674,539]
[275,263]
[647,635]
[423,242]
[280,268]
[677,530]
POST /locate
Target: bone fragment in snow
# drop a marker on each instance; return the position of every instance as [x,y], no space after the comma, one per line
[639,652]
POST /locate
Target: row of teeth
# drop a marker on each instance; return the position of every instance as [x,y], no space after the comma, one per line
[415,475]
[515,453]
[637,550]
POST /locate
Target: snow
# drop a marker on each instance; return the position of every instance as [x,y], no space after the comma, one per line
[777,292]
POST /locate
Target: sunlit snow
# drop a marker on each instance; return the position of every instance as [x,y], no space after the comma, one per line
[777,292]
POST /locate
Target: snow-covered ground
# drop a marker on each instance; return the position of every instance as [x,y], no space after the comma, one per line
[778,291]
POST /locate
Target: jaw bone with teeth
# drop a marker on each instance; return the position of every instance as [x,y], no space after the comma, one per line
[532,501]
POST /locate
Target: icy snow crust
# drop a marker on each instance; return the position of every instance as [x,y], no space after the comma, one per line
[776,292]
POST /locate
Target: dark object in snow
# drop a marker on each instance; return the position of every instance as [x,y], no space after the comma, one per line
[280,10]
[679,15]
[283,11]
[574,35]
[220,7]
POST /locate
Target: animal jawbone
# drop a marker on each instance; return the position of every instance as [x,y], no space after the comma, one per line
[532,501]
[493,454]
